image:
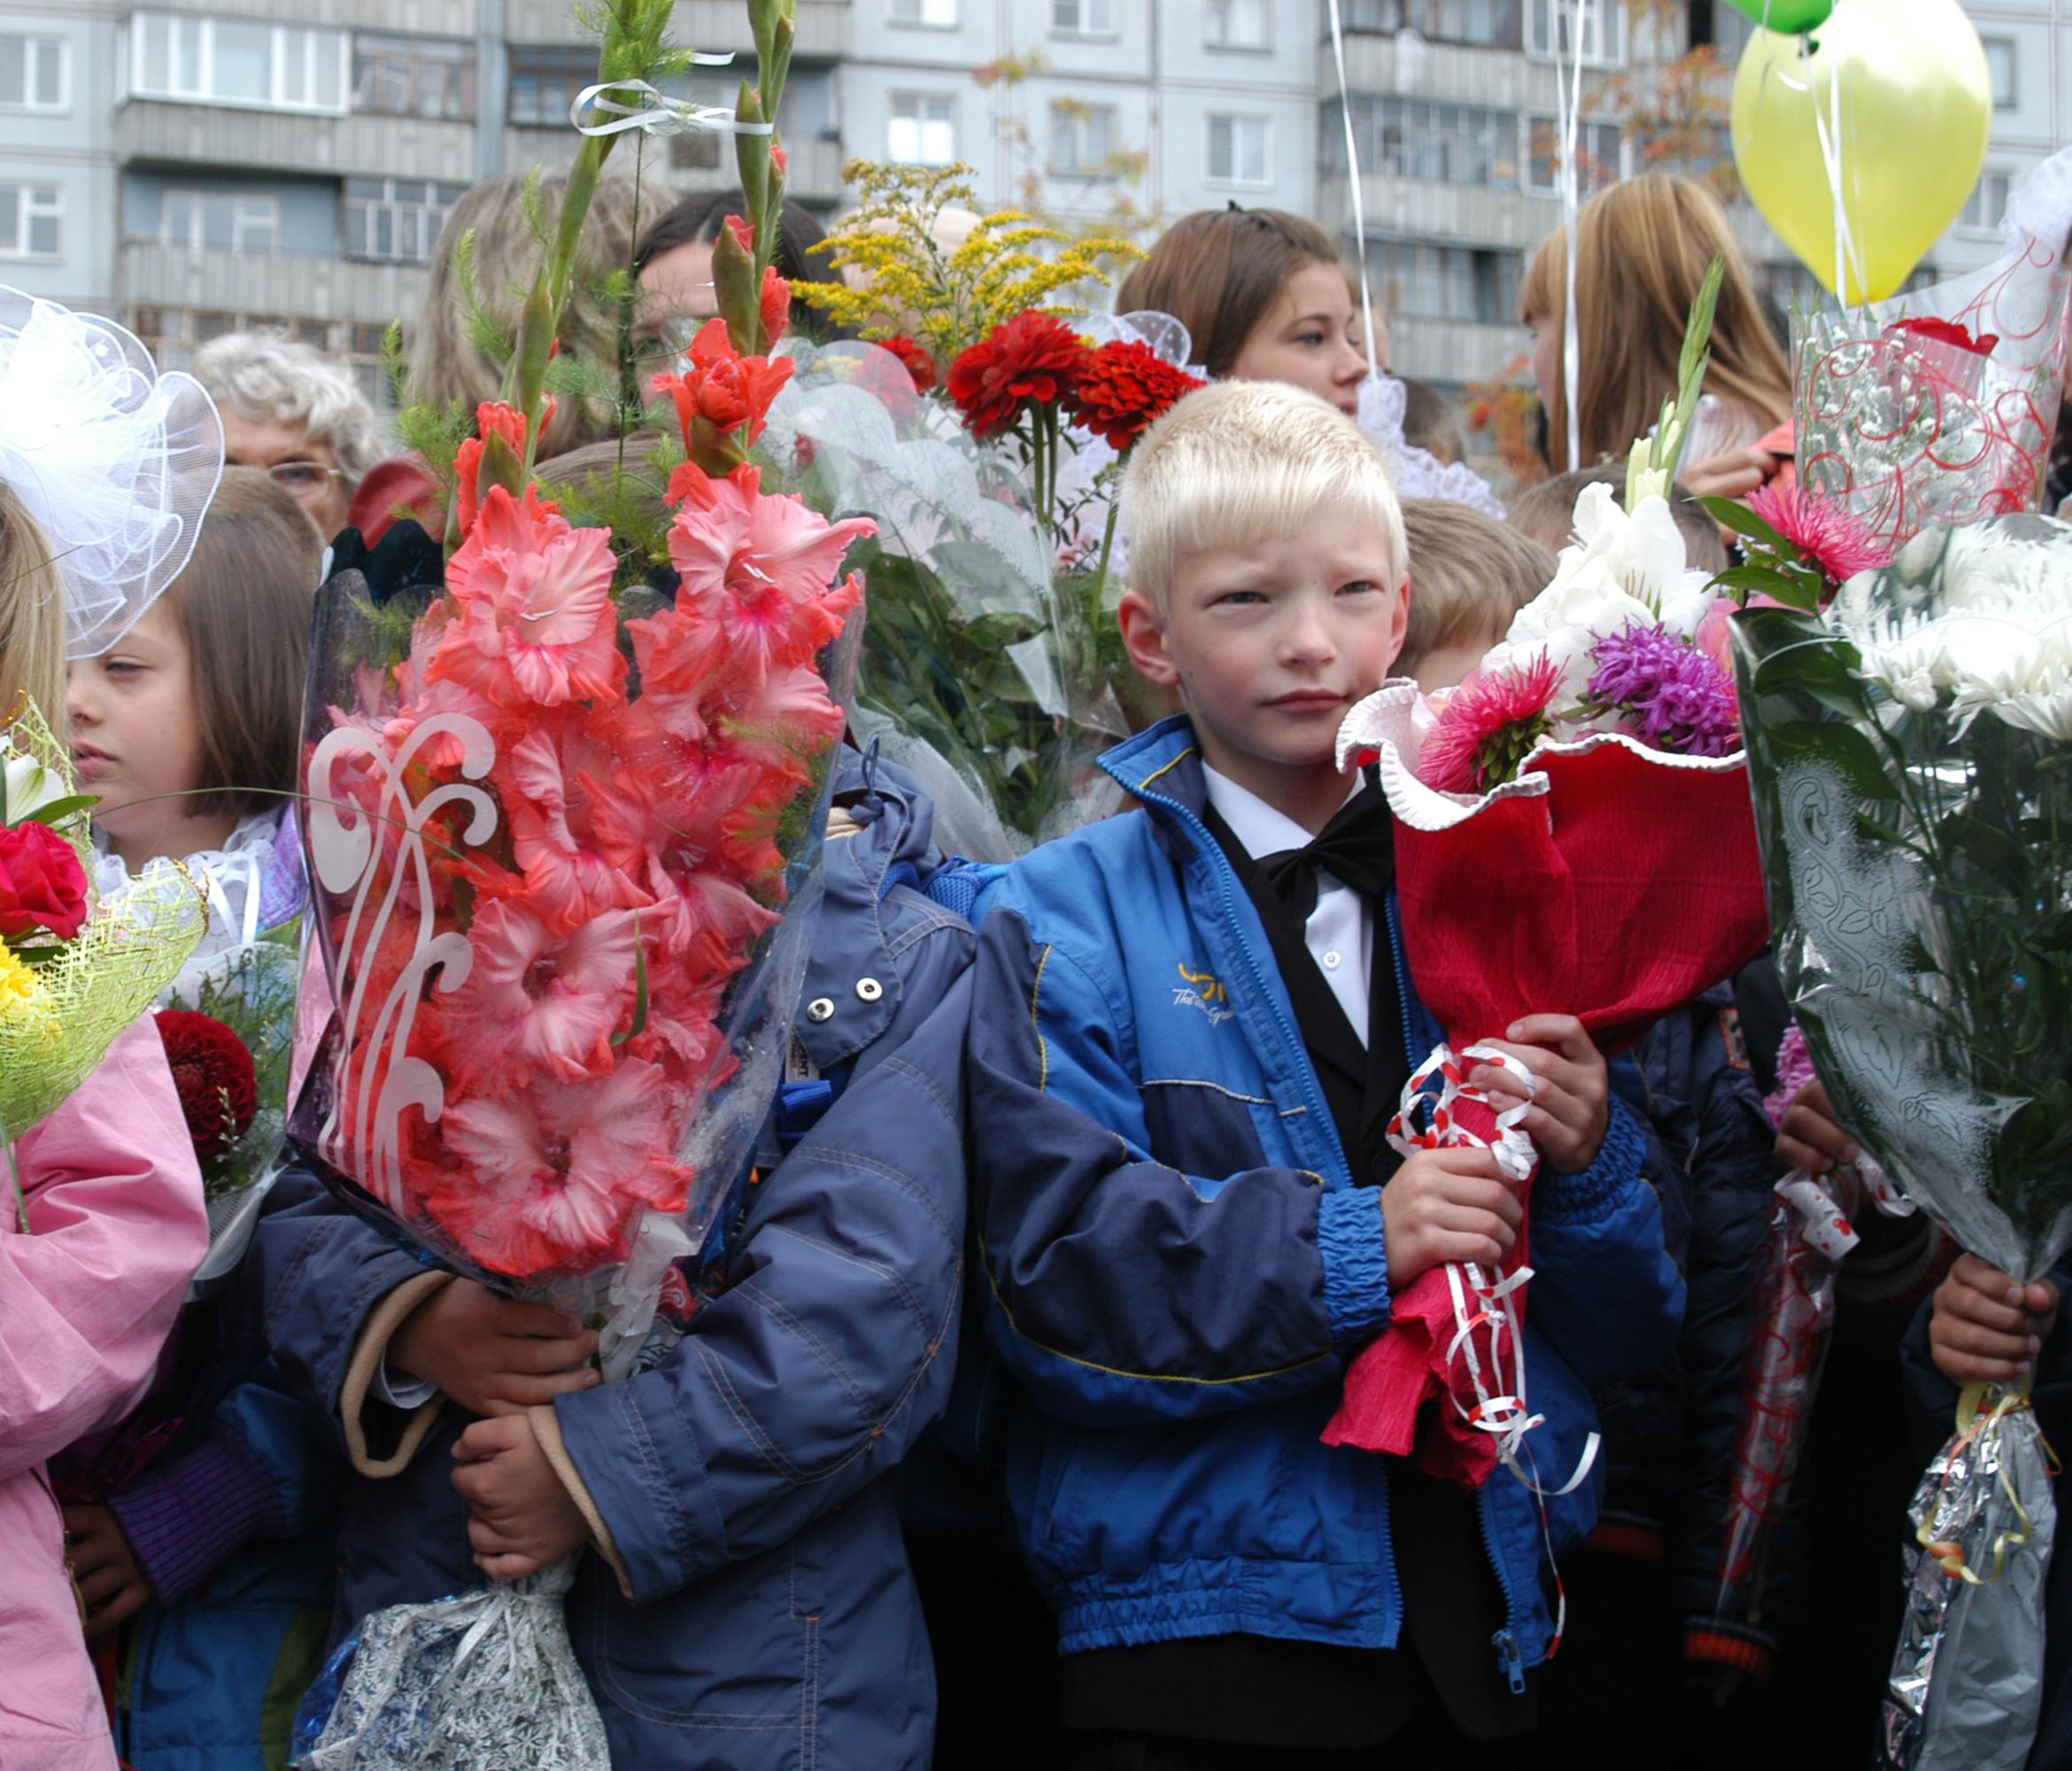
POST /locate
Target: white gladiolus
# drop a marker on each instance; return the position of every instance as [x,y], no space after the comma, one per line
[30,787]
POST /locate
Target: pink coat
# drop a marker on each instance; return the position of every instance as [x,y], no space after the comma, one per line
[86,1303]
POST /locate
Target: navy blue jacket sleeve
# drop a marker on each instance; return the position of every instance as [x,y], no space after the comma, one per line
[831,1345]
[1118,1289]
[1597,1236]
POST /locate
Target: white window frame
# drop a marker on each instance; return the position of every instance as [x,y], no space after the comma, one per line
[1086,28]
[893,100]
[2014,64]
[245,209]
[1989,226]
[1076,116]
[1606,15]
[430,218]
[179,30]
[32,47]
[1228,46]
[919,20]
[1621,167]
[33,202]
[196,232]
[1234,181]
[248,207]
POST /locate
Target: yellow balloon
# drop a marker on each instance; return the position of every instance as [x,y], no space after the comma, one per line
[1916,112]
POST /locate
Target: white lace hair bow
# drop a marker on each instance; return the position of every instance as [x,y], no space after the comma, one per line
[116,462]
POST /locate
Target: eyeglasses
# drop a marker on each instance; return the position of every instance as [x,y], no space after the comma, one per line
[306,480]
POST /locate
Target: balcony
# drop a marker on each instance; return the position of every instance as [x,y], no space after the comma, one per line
[153,275]
[1449,73]
[708,25]
[149,132]
[1458,353]
[814,176]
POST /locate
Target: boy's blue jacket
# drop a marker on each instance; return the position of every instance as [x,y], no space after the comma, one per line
[772,1623]
[1177,1267]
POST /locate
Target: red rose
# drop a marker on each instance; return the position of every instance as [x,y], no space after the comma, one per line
[919,364]
[723,388]
[1945,332]
[1125,386]
[42,884]
[1032,359]
[219,1087]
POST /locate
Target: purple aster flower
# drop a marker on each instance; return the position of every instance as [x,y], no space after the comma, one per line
[1667,692]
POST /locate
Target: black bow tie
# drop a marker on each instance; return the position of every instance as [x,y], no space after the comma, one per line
[1357,848]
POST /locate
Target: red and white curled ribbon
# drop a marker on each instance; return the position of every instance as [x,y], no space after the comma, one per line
[1488,1344]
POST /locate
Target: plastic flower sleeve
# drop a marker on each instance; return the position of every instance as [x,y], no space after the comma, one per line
[1937,407]
[978,672]
[564,899]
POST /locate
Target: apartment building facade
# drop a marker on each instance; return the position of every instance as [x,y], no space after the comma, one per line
[194,165]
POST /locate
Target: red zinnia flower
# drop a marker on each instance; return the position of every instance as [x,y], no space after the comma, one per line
[1123,389]
[219,1087]
[918,364]
[1032,359]
[1488,728]
[1833,539]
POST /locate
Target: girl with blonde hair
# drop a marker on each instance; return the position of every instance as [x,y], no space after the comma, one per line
[1642,249]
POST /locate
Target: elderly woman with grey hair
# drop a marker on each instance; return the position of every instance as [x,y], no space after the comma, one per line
[295,413]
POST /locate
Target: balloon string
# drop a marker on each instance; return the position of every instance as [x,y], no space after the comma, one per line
[1828,126]
[1568,98]
[1359,208]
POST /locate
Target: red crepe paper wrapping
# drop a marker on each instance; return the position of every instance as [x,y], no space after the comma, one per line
[1610,882]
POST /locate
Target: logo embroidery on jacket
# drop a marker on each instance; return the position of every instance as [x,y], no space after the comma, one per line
[1202,990]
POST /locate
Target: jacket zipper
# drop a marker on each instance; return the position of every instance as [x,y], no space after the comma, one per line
[1509,1662]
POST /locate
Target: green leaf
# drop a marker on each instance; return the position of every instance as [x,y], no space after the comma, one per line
[639,1025]
[1728,514]
[1842,747]
[1793,588]
[57,811]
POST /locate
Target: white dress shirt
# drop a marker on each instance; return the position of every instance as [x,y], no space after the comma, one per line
[1339,933]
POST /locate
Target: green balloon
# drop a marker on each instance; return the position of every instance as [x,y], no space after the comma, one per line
[1788,18]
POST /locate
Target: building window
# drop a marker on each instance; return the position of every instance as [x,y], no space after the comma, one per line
[396,220]
[237,61]
[413,77]
[1240,150]
[1598,157]
[1421,280]
[31,221]
[33,74]
[922,129]
[1082,18]
[544,82]
[1486,24]
[940,14]
[2000,64]
[1083,139]
[242,222]
[1236,25]
[1549,23]
[1988,206]
[1411,138]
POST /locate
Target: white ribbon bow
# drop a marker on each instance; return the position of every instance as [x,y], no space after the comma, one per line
[657,114]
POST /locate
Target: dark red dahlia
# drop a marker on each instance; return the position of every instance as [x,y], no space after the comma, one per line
[918,363]
[1034,359]
[1124,387]
[213,1070]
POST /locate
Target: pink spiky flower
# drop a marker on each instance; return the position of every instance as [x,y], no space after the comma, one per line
[1828,536]
[1490,724]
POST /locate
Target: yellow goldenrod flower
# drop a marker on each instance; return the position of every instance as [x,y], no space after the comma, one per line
[909,280]
[21,992]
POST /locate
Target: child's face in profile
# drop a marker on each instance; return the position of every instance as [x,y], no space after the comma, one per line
[136,736]
[1309,338]
[1271,644]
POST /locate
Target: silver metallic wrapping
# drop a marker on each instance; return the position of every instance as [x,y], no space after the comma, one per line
[1966,1686]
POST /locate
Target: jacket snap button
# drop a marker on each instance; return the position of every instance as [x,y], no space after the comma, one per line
[870,989]
[820,1009]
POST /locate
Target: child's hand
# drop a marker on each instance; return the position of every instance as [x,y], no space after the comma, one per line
[1810,1137]
[493,1354]
[1448,1205]
[521,1516]
[1985,1328]
[1572,1106]
[106,1567]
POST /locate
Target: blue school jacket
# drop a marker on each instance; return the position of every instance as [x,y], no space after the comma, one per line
[1177,1267]
[773,1624]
